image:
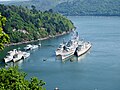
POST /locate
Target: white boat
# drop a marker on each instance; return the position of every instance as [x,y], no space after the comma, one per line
[12,52]
[18,56]
[15,55]
[69,49]
[28,47]
[10,55]
[66,54]
[73,46]
[39,44]
[66,50]
[59,49]
[34,47]
[8,58]
[82,49]
[26,55]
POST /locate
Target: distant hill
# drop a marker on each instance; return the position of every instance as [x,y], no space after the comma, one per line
[39,4]
[89,7]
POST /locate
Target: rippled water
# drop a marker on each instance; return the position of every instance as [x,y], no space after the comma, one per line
[99,69]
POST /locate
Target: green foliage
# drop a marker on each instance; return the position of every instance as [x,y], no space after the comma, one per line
[12,79]
[4,38]
[90,7]
[24,24]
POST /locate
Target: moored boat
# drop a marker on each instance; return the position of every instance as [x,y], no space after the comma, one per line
[20,55]
[16,55]
[34,47]
[28,47]
[10,55]
[68,49]
[82,49]
[26,55]
[73,46]
[8,58]
[59,49]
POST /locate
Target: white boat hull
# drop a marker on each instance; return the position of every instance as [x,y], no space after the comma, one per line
[18,57]
[58,52]
[8,59]
[34,47]
[26,55]
[65,54]
[83,51]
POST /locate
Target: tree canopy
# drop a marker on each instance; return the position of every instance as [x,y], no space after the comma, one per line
[13,79]
[90,7]
[25,24]
[4,38]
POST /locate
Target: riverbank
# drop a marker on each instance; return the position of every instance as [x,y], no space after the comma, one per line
[25,42]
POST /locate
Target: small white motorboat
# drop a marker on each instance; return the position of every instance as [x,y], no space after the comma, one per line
[28,47]
[26,55]
[18,56]
[34,47]
[10,55]
[8,58]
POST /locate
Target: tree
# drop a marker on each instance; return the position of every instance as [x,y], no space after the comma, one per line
[4,38]
[23,24]
[12,79]
[50,10]
[34,9]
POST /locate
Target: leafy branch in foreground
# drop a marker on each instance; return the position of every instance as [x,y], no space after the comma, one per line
[12,79]
[4,38]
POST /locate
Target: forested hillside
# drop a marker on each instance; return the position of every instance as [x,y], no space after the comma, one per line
[39,4]
[90,7]
[23,24]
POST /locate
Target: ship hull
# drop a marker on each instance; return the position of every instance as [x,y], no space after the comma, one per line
[81,52]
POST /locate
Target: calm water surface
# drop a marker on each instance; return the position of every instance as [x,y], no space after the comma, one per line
[99,69]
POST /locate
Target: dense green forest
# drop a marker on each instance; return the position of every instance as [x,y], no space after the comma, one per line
[13,79]
[90,7]
[29,24]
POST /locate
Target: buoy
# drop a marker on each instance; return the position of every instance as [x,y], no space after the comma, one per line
[44,59]
[56,88]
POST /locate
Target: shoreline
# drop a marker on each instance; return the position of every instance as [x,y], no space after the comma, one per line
[25,42]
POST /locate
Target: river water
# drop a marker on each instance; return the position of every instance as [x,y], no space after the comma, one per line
[99,69]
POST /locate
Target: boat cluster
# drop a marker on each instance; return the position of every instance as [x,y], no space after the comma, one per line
[73,46]
[16,55]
